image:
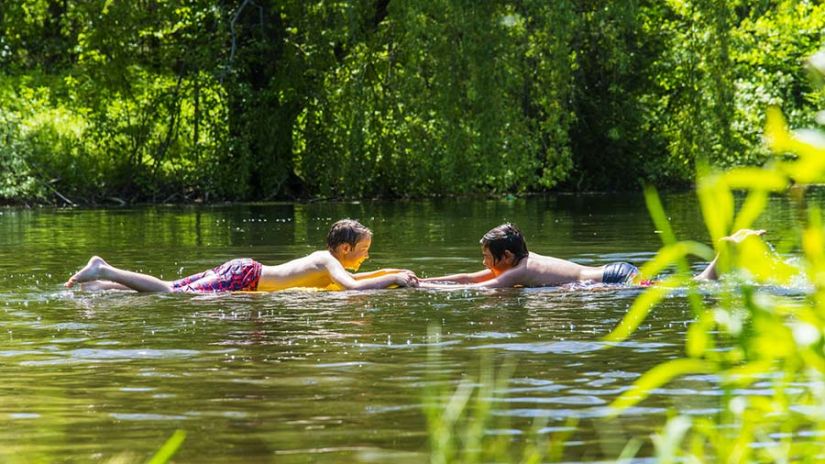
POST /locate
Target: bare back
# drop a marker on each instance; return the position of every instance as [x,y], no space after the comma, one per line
[313,270]
[322,269]
[537,270]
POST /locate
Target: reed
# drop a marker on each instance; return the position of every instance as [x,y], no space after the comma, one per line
[461,419]
[749,336]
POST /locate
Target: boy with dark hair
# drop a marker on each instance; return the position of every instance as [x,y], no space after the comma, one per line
[506,237]
[348,243]
[508,263]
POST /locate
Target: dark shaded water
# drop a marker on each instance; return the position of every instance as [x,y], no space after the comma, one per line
[301,376]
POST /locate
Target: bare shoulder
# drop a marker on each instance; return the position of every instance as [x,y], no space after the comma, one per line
[515,276]
[322,258]
[536,258]
[320,255]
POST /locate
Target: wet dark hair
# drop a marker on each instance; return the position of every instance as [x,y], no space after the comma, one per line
[347,231]
[506,237]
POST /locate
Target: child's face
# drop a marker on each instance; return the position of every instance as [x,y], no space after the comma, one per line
[496,266]
[354,256]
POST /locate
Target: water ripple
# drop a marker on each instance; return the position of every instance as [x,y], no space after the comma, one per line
[97,355]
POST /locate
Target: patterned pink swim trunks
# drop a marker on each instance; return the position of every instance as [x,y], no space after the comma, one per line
[238,275]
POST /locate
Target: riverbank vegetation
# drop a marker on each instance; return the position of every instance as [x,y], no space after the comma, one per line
[210,100]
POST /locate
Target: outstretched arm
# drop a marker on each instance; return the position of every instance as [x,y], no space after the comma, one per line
[710,272]
[378,273]
[345,280]
[506,279]
[471,278]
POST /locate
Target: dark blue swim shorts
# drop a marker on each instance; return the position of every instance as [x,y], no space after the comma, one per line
[619,273]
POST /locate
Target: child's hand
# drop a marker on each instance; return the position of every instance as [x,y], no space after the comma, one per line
[406,279]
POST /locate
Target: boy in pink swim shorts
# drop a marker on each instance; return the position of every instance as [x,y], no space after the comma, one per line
[348,244]
[238,275]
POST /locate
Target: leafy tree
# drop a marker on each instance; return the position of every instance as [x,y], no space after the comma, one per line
[254,99]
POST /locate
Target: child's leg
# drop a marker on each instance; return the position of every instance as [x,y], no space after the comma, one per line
[97,269]
[208,282]
[180,284]
[710,271]
[101,285]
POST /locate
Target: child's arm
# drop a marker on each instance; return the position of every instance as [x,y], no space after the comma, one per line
[378,273]
[472,278]
[506,279]
[345,280]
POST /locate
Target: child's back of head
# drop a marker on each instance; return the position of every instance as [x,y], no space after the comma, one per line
[506,237]
[347,231]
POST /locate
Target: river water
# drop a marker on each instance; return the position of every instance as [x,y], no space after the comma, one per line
[310,376]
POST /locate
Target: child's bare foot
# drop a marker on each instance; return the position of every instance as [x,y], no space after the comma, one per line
[740,235]
[90,272]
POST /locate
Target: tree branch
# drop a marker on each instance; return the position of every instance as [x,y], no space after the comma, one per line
[234,46]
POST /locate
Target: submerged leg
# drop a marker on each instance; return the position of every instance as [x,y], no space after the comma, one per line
[98,269]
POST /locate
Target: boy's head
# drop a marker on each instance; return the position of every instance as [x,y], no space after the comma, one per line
[349,241]
[502,242]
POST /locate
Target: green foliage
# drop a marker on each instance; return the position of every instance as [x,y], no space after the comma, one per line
[240,100]
[16,177]
[169,448]
[748,335]
[413,110]
[616,43]
[769,47]
[124,111]
[163,455]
